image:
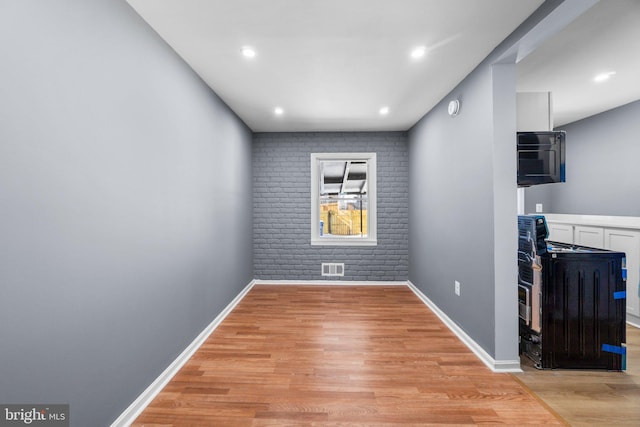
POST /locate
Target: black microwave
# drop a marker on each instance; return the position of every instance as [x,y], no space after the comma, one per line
[541,158]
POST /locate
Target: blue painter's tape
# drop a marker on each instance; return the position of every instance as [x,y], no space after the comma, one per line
[624,274]
[614,349]
[620,295]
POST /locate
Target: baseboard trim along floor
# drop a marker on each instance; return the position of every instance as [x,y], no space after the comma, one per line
[328,283]
[494,365]
[145,398]
[135,409]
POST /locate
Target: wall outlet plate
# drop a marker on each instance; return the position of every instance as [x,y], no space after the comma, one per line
[457,288]
[538,207]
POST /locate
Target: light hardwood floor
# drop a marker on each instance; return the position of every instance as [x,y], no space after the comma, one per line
[591,398]
[338,356]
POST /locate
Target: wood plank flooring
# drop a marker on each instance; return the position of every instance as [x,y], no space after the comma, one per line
[338,356]
[591,398]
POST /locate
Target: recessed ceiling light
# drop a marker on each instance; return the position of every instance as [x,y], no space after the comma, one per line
[278,111]
[384,111]
[248,52]
[418,52]
[603,77]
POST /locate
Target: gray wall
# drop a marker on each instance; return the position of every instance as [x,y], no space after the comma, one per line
[462,216]
[282,207]
[538,194]
[125,219]
[603,177]
[451,211]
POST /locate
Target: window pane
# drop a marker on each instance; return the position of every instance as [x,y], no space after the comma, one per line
[344,215]
[343,201]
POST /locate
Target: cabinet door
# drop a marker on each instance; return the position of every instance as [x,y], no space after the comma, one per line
[560,232]
[628,241]
[588,236]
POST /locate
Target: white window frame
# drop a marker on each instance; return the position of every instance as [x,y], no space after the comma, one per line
[372,227]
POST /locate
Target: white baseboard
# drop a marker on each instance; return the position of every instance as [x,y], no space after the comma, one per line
[633,320]
[494,365]
[328,283]
[135,409]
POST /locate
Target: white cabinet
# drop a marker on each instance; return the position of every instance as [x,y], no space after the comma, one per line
[592,237]
[534,111]
[559,232]
[627,241]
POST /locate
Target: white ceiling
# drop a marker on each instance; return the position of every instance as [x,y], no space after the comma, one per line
[331,65]
[605,38]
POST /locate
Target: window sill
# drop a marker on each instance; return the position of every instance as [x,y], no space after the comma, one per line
[328,241]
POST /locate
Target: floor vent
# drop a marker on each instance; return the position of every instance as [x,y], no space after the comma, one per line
[332,269]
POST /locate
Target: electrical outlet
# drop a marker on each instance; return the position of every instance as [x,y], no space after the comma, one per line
[538,207]
[457,288]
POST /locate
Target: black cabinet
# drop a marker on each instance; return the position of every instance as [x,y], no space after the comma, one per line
[583,308]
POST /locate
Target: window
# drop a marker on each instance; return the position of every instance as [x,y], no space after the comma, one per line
[343,199]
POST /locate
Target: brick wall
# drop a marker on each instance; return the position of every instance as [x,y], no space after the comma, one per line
[282,207]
